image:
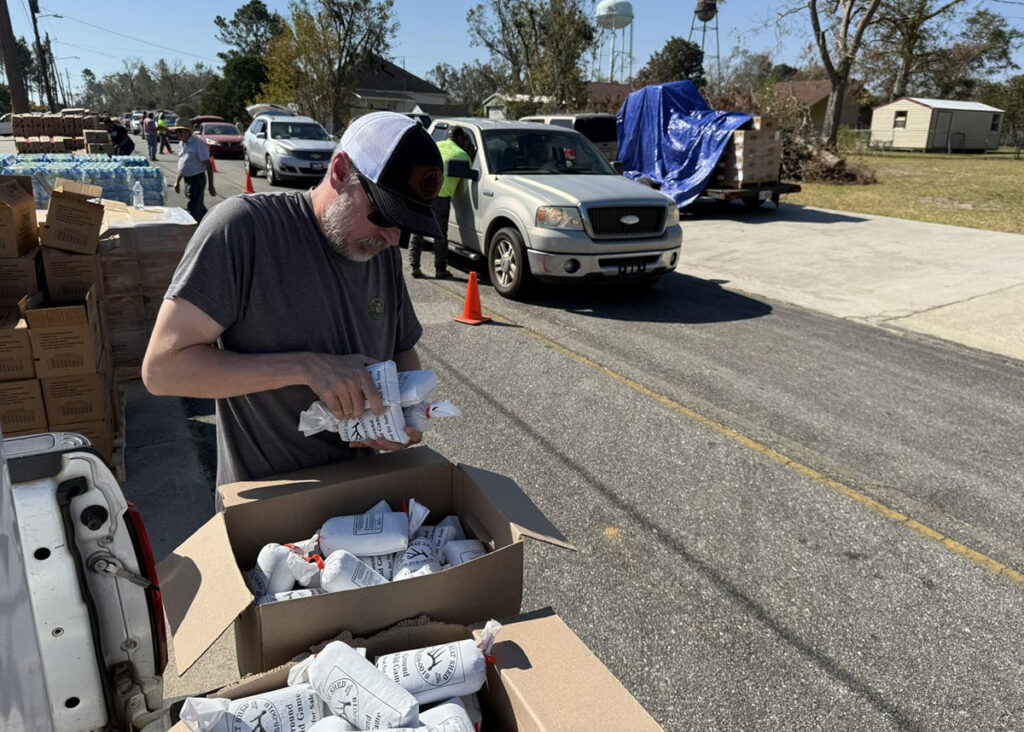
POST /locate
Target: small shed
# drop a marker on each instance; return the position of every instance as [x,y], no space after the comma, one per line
[917,123]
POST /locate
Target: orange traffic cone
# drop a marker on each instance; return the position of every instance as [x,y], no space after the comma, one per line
[213,163]
[471,314]
[248,183]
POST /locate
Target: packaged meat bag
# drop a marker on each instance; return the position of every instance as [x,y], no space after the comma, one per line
[439,672]
[293,708]
[419,559]
[366,534]
[453,521]
[448,716]
[383,564]
[331,723]
[460,552]
[415,386]
[345,571]
[291,595]
[424,416]
[353,688]
[390,425]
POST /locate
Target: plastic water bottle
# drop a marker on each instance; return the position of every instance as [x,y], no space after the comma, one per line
[138,197]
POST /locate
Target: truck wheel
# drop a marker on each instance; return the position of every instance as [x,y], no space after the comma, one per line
[253,171]
[507,265]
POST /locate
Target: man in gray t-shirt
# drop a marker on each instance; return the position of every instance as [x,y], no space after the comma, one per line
[281,299]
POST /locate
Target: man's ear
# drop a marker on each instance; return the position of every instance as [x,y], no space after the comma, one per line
[340,165]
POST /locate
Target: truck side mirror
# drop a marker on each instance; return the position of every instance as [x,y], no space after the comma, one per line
[461,169]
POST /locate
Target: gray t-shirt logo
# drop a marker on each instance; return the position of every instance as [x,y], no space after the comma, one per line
[376,307]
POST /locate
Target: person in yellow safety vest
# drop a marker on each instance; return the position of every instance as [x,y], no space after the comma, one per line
[162,131]
[456,147]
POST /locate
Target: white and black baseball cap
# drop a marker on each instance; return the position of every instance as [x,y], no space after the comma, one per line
[400,167]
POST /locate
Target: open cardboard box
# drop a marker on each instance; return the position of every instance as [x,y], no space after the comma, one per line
[544,679]
[204,592]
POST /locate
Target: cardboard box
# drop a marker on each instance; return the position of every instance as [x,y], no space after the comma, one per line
[21,144]
[73,221]
[18,232]
[93,148]
[101,137]
[21,406]
[544,679]
[204,592]
[79,398]
[66,337]
[70,276]
[16,360]
[19,277]
[129,323]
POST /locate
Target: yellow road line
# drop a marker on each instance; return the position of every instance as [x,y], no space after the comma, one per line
[842,489]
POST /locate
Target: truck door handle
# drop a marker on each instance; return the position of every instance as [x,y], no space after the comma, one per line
[487,192]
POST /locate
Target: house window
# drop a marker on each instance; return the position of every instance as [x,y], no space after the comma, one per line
[899,122]
[995,123]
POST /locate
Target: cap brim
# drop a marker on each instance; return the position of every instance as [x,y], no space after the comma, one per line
[407,215]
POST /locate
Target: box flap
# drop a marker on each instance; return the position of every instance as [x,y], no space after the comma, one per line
[40,314]
[77,189]
[203,591]
[522,514]
[554,681]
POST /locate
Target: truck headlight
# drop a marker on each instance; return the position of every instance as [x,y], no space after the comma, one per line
[559,217]
[672,217]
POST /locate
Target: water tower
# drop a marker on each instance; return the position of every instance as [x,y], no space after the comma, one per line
[615,41]
[706,13]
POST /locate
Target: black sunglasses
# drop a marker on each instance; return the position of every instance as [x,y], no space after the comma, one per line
[375,217]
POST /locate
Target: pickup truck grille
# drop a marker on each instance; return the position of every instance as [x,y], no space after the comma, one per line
[606,221]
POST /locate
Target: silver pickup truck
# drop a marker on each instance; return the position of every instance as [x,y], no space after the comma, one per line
[541,202]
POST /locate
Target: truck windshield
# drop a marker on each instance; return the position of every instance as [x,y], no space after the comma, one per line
[534,152]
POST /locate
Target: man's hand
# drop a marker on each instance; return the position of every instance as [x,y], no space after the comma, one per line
[415,437]
[212,191]
[344,384]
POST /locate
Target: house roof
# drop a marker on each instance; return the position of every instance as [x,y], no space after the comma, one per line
[380,94]
[952,104]
[447,110]
[386,76]
[812,91]
[500,98]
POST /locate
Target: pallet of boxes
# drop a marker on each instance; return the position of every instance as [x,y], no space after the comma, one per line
[56,133]
[751,157]
[364,594]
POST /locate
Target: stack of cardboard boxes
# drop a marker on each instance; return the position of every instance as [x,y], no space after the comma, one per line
[39,133]
[752,155]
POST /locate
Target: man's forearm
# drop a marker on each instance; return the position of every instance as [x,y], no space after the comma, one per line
[206,372]
[407,360]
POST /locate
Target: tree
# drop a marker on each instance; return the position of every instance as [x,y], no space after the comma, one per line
[839,27]
[250,30]
[678,60]
[241,83]
[536,46]
[469,85]
[984,49]
[323,50]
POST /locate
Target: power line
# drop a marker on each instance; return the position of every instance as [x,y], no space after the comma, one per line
[84,48]
[1009,2]
[133,38]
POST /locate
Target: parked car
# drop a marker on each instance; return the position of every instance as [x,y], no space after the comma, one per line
[135,123]
[6,124]
[200,119]
[287,147]
[599,128]
[222,137]
[80,594]
[542,203]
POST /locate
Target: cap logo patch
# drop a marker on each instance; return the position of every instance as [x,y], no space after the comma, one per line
[426,181]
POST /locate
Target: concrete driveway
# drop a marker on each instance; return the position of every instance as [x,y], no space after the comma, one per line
[958,284]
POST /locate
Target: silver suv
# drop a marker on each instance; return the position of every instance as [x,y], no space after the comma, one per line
[287,147]
[541,202]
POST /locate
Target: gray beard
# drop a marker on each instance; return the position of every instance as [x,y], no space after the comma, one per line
[336,224]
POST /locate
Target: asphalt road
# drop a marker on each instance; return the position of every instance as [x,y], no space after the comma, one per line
[775,509]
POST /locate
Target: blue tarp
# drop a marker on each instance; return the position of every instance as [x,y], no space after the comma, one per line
[669,134]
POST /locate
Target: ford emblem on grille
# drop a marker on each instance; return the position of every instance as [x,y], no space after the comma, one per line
[630,219]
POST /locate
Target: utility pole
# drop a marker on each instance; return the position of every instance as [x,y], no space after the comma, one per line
[19,98]
[71,94]
[44,68]
[51,69]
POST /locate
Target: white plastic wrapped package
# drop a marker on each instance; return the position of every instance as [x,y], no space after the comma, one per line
[453,521]
[299,673]
[472,706]
[272,573]
[291,595]
[390,425]
[366,534]
[417,515]
[292,709]
[460,552]
[450,715]
[344,571]
[424,416]
[304,570]
[438,672]
[383,564]
[353,688]
[380,506]
[419,559]
[435,536]
[331,723]
[416,386]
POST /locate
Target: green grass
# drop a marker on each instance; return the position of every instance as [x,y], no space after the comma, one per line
[978,191]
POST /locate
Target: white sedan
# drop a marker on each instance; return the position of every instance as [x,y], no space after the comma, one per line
[6,125]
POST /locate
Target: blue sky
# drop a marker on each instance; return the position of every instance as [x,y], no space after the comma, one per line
[431,30]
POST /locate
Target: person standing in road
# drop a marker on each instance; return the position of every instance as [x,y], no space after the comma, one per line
[149,132]
[194,168]
[455,147]
[284,298]
[163,132]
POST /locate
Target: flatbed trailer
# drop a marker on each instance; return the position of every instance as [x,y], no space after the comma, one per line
[753,195]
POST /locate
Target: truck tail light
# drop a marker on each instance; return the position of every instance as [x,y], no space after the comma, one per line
[147,566]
